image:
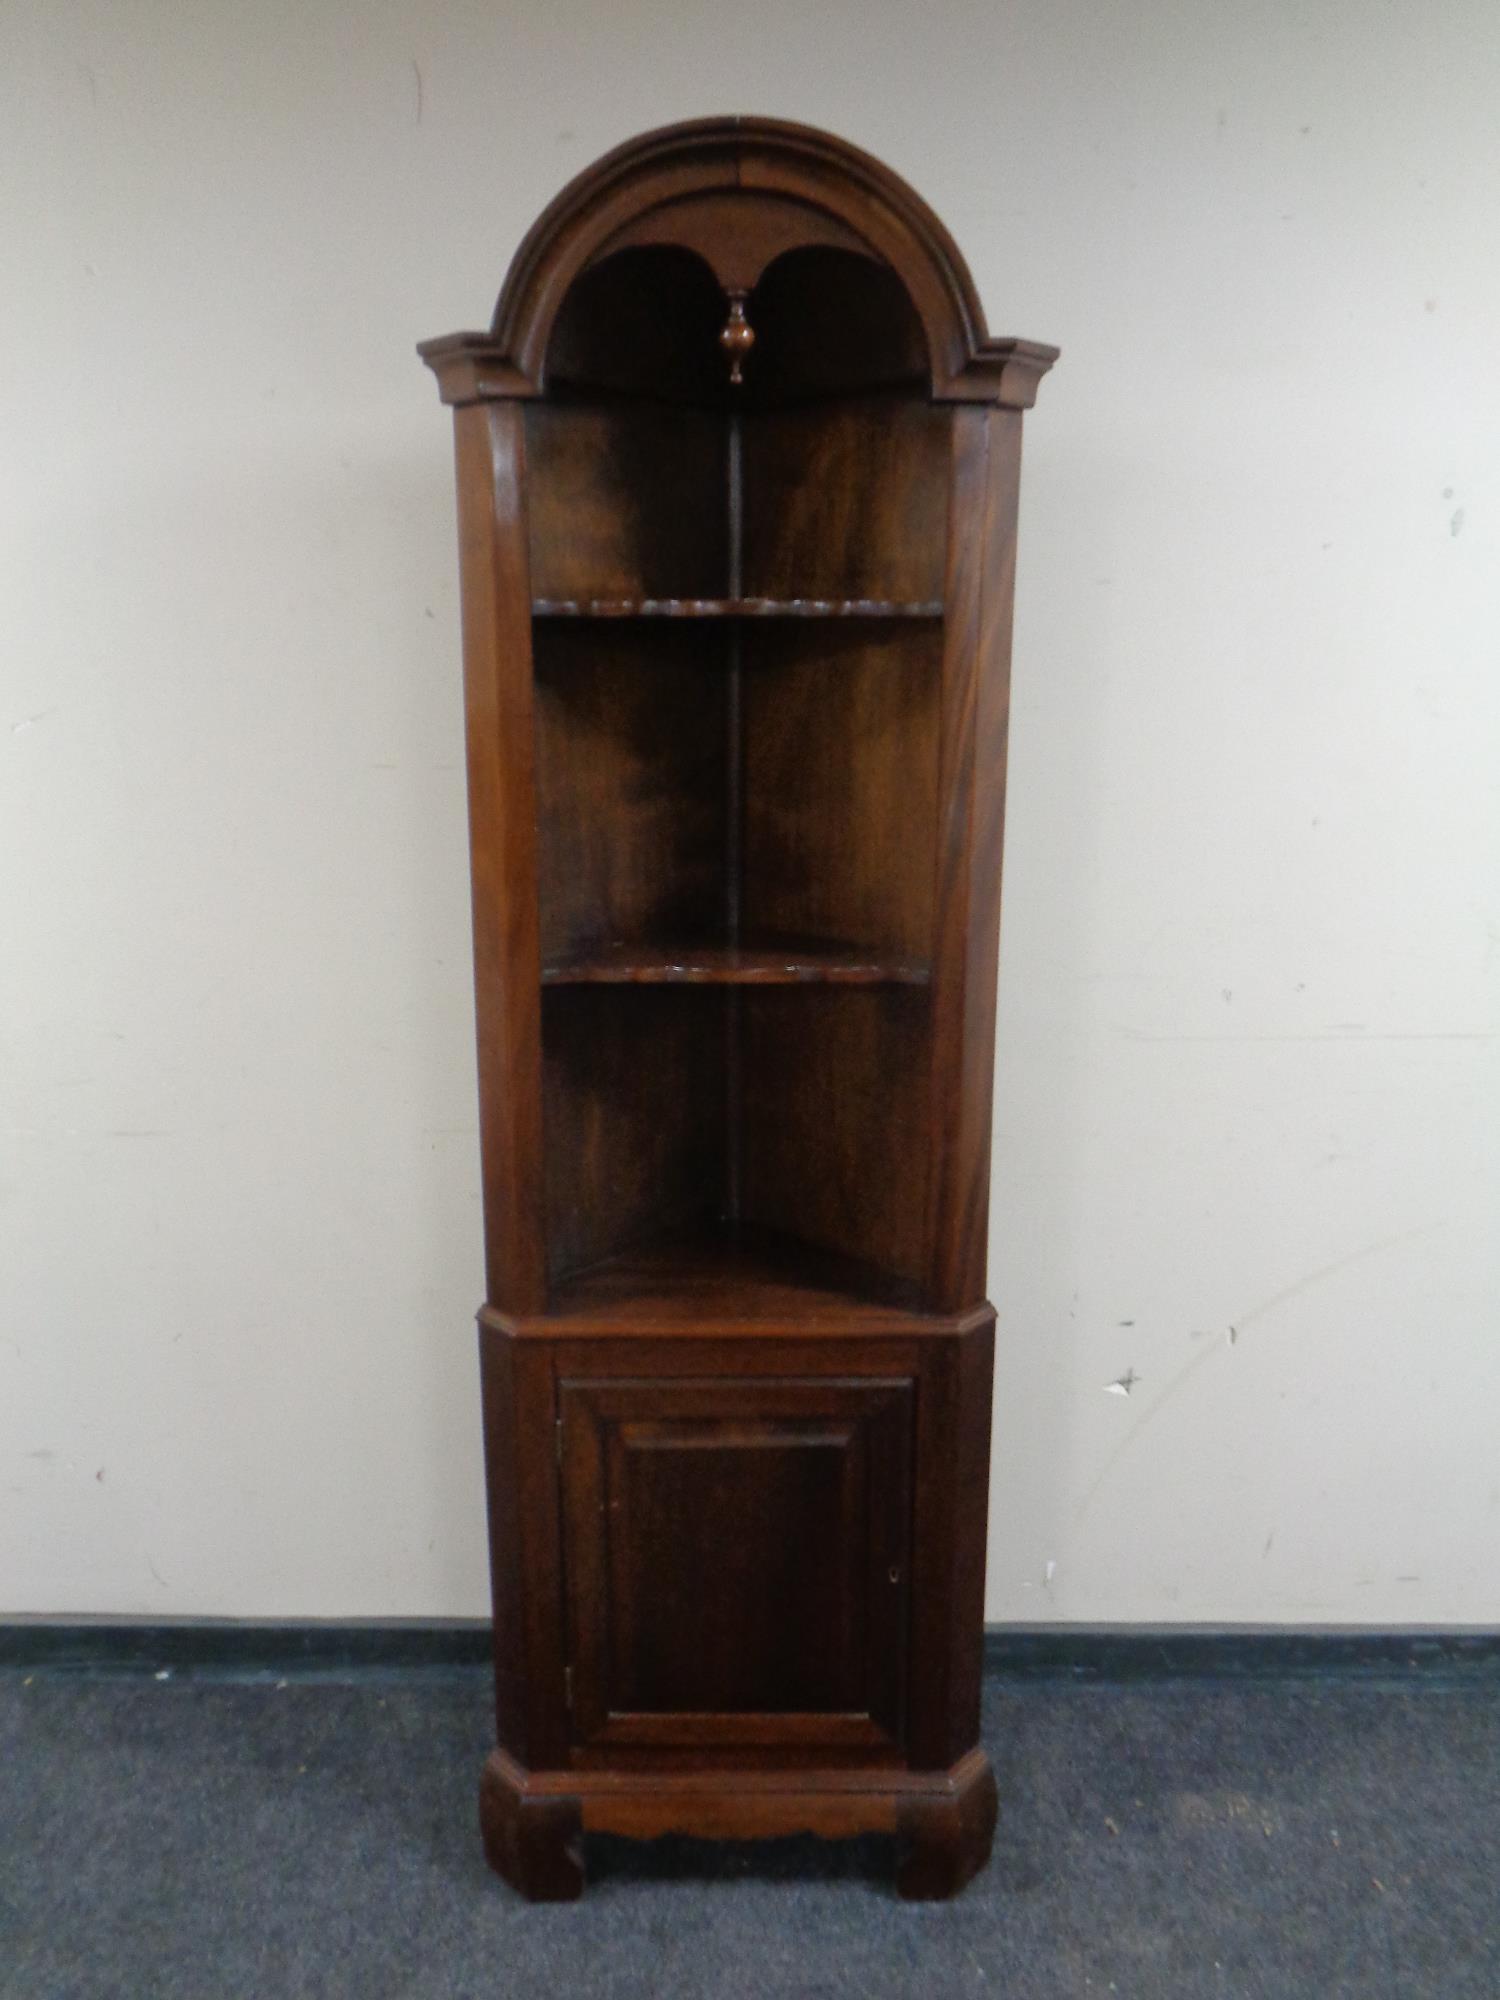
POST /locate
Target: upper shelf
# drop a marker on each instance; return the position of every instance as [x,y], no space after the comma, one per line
[732,607]
[759,962]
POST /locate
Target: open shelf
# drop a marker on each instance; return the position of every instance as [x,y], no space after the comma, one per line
[726,1271]
[738,653]
[733,607]
[751,962]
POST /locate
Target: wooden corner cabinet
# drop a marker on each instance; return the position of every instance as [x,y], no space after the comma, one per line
[737,478]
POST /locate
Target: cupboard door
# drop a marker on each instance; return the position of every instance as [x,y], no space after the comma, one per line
[736,1556]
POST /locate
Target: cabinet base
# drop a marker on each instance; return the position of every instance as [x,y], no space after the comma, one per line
[533,1822]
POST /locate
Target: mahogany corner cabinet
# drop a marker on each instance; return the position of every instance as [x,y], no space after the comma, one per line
[737,482]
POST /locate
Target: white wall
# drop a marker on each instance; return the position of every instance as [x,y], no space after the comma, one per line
[1248,1070]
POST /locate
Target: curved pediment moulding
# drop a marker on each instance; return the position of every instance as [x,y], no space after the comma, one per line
[740,192]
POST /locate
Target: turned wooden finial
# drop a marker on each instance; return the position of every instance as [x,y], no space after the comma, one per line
[737,336]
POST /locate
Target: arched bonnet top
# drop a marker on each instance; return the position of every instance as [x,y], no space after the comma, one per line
[740,192]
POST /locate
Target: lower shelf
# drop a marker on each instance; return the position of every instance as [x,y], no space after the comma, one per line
[728,1271]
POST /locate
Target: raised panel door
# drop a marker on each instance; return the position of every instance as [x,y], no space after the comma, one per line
[736,1556]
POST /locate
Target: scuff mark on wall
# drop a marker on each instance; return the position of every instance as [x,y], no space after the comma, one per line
[1272,1304]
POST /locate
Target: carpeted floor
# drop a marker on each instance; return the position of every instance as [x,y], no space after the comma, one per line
[207,1840]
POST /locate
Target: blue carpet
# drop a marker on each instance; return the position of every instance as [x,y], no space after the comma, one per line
[207,1840]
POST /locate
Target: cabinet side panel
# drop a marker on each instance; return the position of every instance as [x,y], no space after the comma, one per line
[498,1392]
[502,834]
[525,1548]
[950,1523]
[971,817]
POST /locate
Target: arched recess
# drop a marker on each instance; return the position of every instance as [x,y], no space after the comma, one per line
[817,319]
[740,193]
